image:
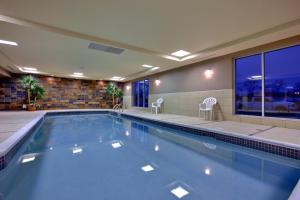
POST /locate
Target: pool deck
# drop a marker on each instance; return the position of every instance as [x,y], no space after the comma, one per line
[14,123]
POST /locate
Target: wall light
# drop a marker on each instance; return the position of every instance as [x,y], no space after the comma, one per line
[128,87]
[157,82]
[209,73]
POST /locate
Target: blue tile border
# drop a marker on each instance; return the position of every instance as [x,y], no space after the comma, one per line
[253,144]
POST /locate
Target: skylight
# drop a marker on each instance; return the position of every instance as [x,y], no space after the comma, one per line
[8,42]
[180,53]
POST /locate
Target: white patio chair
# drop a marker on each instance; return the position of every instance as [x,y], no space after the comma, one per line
[157,105]
[208,107]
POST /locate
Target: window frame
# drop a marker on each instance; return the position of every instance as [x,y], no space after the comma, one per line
[262,53]
[137,104]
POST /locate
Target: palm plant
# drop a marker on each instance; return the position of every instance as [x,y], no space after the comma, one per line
[114,91]
[38,92]
[28,83]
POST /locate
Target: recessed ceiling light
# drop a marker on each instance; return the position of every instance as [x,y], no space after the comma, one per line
[8,42]
[154,68]
[30,68]
[179,192]
[117,78]
[147,168]
[147,66]
[78,73]
[188,57]
[181,53]
[172,58]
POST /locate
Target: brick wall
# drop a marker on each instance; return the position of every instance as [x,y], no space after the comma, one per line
[61,93]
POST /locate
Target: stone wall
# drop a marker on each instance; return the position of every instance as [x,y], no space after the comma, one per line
[61,93]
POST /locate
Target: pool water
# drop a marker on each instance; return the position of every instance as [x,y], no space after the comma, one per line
[101,156]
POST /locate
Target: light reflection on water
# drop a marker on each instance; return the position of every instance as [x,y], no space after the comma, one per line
[111,152]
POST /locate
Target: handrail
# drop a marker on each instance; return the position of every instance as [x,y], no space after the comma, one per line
[118,107]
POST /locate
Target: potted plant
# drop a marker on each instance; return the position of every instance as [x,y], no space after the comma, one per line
[115,92]
[33,90]
[38,92]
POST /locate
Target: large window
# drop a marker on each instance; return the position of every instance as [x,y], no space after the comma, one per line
[140,93]
[280,96]
[282,82]
[248,85]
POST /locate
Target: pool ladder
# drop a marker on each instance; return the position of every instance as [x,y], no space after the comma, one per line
[118,107]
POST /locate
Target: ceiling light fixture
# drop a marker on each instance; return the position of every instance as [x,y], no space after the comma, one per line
[147,66]
[180,53]
[117,78]
[29,70]
[8,42]
[172,58]
[182,59]
[188,57]
[154,68]
[78,75]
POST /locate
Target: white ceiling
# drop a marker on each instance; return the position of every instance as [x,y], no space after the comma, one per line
[53,36]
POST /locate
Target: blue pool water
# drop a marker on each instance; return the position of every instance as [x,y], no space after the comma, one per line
[100,156]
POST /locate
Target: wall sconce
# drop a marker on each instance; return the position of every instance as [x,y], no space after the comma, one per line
[128,87]
[157,82]
[208,73]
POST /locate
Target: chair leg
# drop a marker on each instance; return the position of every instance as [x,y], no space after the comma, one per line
[156,108]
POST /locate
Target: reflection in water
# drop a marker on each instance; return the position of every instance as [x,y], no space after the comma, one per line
[189,165]
[156,147]
[207,171]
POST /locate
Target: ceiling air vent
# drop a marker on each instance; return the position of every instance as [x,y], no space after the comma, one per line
[104,48]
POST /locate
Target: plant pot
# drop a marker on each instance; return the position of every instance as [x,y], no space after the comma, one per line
[31,108]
